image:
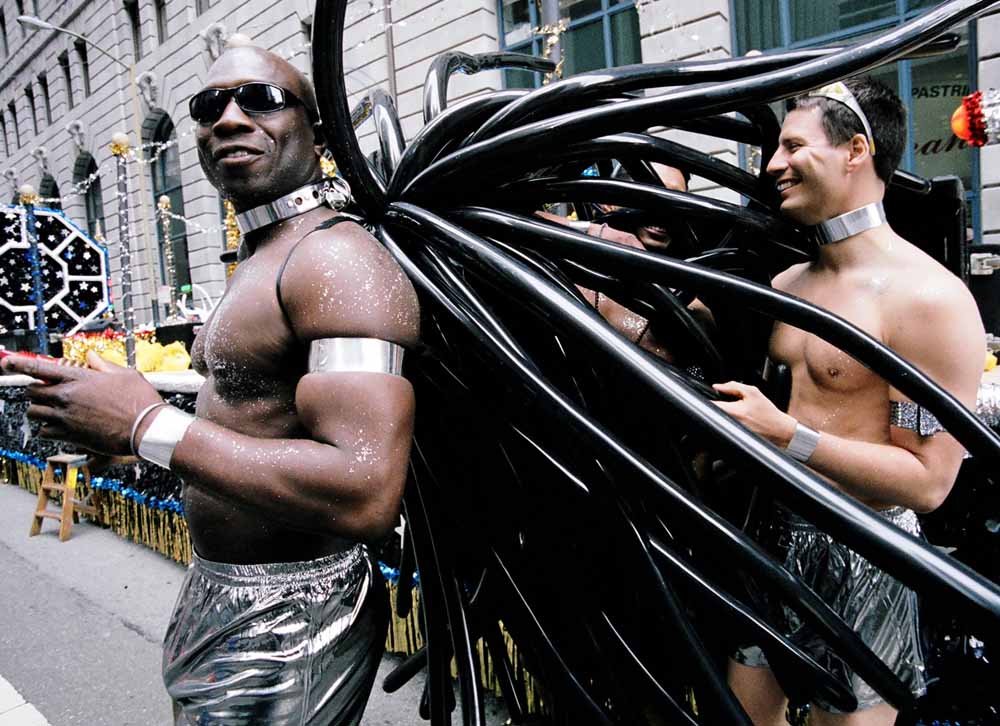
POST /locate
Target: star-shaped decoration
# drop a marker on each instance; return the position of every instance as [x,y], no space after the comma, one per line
[25,287]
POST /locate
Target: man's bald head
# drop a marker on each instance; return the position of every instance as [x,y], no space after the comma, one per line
[242,55]
[256,157]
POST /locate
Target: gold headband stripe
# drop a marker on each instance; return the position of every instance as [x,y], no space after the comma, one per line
[840,93]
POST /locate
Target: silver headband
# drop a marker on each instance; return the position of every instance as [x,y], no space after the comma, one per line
[840,93]
[334,192]
[849,224]
[355,355]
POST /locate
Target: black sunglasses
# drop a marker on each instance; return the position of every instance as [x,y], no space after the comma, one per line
[208,106]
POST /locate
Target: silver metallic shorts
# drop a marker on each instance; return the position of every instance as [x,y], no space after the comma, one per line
[878,607]
[278,644]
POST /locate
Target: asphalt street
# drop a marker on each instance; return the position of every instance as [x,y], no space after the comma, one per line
[81,624]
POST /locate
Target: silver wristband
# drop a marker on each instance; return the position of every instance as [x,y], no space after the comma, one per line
[803,443]
[168,428]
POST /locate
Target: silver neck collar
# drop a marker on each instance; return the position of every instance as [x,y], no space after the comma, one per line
[333,192]
[847,225]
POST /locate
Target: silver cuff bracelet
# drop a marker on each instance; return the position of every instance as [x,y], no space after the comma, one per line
[803,444]
[355,355]
[909,415]
[168,428]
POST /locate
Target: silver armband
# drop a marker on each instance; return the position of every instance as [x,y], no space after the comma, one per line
[168,428]
[355,355]
[988,404]
[803,444]
[908,415]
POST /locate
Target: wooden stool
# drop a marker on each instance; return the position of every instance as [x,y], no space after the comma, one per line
[71,506]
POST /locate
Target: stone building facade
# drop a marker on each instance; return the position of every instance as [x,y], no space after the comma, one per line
[61,99]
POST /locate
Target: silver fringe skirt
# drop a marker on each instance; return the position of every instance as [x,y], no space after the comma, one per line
[279,644]
[876,606]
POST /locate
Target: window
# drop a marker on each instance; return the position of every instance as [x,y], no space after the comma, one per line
[3,35]
[20,11]
[67,77]
[599,34]
[81,52]
[930,88]
[3,131]
[29,93]
[49,191]
[43,83]
[161,21]
[12,108]
[202,6]
[166,171]
[135,23]
[87,180]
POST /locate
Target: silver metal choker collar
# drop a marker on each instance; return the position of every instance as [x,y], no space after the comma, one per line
[847,225]
[334,192]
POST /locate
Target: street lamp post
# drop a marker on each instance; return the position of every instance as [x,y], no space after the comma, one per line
[33,23]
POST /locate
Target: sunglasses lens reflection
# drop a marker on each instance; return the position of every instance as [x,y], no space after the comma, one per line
[209,105]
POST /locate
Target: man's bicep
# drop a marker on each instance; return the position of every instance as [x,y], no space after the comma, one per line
[366,414]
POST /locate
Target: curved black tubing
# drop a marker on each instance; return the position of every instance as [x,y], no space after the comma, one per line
[583,89]
[445,65]
[505,324]
[331,96]
[695,408]
[690,103]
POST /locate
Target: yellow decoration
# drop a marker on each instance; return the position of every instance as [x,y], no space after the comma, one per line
[113,355]
[175,358]
[329,166]
[148,356]
[76,347]
[991,362]
[119,144]
[151,356]
[232,234]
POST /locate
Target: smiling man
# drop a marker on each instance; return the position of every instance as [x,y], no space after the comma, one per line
[838,149]
[298,451]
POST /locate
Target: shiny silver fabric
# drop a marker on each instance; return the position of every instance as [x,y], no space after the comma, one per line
[908,415]
[988,404]
[878,607]
[277,644]
[355,355]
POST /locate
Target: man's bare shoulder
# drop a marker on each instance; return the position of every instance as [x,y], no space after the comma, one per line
[935,323]
[921,285]
[341,282]
[786,278]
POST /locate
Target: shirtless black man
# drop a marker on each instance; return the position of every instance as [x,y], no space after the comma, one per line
[298,451]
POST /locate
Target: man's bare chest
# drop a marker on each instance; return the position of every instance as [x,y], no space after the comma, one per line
[246,346]
[825,365]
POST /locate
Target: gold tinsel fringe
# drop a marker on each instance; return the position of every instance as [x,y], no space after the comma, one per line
[404,638]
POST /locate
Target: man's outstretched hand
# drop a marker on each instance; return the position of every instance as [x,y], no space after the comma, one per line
[92,407]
